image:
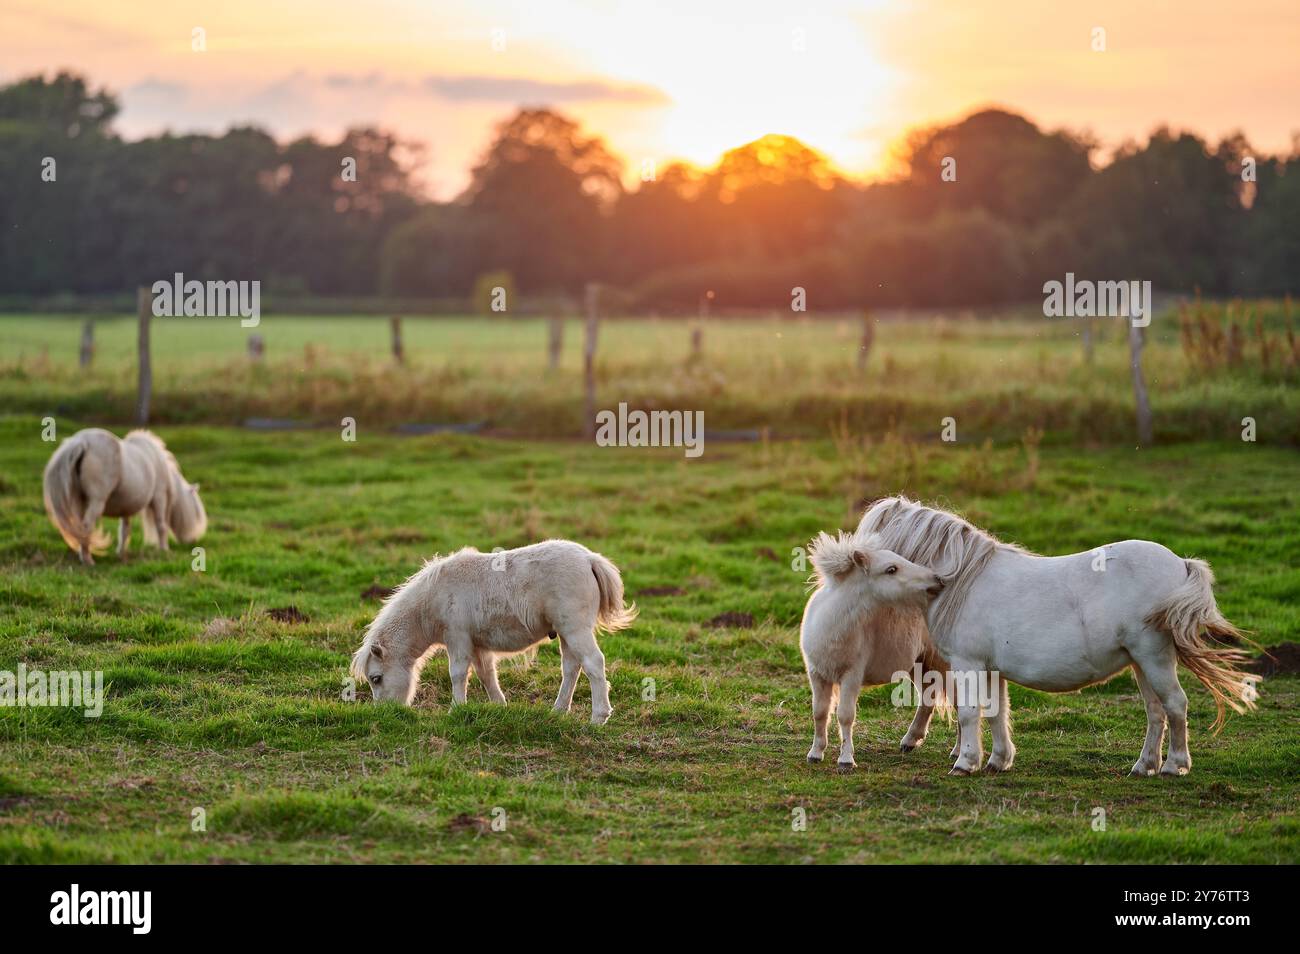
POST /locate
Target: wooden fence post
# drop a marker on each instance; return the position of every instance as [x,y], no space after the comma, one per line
[589,359]
[1136,339]
[256,347]
[87,342]
[144,312]
[697,332]
[395,325]
[868,336]
[555,345]
[1087,340]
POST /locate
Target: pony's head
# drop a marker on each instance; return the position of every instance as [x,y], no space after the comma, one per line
[398,641]
[389,679]
[881,575]
[186,517]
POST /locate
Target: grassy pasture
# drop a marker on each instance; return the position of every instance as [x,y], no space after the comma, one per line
[798,377]
[215,704]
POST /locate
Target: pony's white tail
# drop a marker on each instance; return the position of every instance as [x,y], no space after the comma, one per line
[1186,615]
[612,615]
[64,501]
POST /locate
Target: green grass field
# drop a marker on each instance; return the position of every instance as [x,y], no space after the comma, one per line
[214,704]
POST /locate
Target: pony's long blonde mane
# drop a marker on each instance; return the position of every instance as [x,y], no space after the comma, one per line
[186,516]
[395,607]
[952,547]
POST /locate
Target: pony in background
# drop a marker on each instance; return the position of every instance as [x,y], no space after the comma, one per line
[93,474]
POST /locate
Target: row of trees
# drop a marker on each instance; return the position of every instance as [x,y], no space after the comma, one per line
[984,210]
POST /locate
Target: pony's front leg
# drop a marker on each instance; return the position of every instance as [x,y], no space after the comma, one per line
[158,512]
[1148,762]
[1004,750]
[485,665]
[970,742]
[847,711]
[458,664]
[823,697]
[917,731]
[123,536]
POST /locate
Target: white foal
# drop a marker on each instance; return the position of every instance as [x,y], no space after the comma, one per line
[864,623]
[483,605]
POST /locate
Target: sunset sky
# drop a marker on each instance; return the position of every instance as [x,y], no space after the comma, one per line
[667,79]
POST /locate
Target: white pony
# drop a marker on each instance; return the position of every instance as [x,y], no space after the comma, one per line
[1061,623]
[92,474]
[483,605]
[864,623]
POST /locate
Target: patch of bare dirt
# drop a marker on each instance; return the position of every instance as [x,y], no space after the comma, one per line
[1283,658]
[661,591]
[287,614]
[731,619]
[376,592]
[475,823]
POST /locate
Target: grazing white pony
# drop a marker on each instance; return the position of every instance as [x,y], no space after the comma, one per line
[483,605]
[864,623]
[1061,623]
[92,474]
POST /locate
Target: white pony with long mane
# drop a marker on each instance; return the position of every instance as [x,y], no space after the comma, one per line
[1061,623]
[93,474]
[480,606]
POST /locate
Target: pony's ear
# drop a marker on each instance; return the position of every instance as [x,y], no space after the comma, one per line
[377,651]
[863,559]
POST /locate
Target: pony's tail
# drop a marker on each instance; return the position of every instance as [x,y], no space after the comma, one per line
[64,501]
[612,615]
[1187,614]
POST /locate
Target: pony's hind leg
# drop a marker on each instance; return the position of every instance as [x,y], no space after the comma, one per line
[1004,750]
[1149,761]
[571,666]
[89,521]
[917,731]
[1161,671]
[485,666]
[847,712]
[123,536]
[823,697]
[583,644]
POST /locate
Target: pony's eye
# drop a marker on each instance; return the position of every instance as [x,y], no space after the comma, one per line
[892,569]
[376,679]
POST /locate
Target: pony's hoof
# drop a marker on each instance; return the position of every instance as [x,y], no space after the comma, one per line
[905,748]
[958,771]
[1141,771]
[846,767]
[1169,772]
[814,759]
